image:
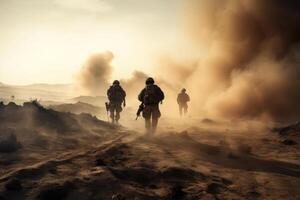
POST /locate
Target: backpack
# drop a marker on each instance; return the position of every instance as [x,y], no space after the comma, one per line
[152,95]
[116,94]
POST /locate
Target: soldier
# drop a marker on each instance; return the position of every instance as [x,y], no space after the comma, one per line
[182,100]
[116,96]
[150,96]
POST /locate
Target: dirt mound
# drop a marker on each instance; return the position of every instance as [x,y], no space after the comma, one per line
[208,121]
[55,191]
[288,130]
[289,135]
[135,167]
[31,134]
[32,114]
[13,185]
[8,141]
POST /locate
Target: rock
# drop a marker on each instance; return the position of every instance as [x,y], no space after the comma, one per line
[245,149]
[13,185]
[232,156]
[291,129]
[213,188]
[118,197]
[208,121]
[177,192]
[100,162]
[55,191]
[8,142]
[12,106]
[288,142]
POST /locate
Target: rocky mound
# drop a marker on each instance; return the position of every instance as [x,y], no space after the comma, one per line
[292,129]
[32,133]
[8,141]
[290,135]
[33,115]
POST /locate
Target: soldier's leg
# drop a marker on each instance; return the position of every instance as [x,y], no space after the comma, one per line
[155,116]
[180,110]
[154,124]
[185,109]
[147,117]
[118,111]
[112,113]
[117,116]
[148,125]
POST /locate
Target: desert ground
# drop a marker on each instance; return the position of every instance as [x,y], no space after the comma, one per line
[48,154]
[237,60]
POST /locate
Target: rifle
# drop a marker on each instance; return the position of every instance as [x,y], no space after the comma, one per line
[138,113]
[107,109]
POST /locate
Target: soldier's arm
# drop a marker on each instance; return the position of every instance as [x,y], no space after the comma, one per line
[108,92]
[141,95]
[124,96]
[161,94]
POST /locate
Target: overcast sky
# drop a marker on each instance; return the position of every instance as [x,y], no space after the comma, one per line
[48,40]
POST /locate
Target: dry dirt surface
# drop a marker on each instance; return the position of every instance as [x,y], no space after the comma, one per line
[113,162]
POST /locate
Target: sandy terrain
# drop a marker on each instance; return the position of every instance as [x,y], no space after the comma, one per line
[94,160]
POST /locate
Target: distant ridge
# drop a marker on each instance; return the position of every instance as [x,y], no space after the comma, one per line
[46,92]
[93,100]
[78,108]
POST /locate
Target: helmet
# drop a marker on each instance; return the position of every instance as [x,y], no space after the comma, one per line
[183,90]
[116,82]
[149,81]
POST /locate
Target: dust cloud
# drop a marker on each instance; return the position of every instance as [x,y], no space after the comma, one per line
[94,75]
[248,66]
[251,65]
[133,86]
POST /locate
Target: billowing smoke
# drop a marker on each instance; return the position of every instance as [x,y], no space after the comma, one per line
[94,78]
[94,75]
[250,66]
[134,85]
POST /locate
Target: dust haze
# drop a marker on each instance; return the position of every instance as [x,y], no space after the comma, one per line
[94,75]
[251,68]
[243,76]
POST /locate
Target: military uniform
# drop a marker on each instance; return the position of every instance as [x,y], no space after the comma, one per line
[151,95]
[182,100]
[116,96]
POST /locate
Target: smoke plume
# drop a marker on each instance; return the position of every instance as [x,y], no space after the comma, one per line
[134,85]
[94,75]
[251,65]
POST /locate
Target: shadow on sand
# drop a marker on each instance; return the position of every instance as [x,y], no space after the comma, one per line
[225,156]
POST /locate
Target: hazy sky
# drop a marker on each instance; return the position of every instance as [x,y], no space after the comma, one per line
[48,40]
